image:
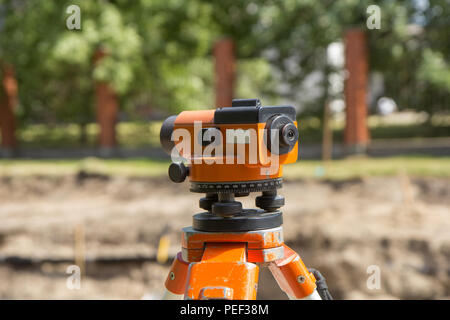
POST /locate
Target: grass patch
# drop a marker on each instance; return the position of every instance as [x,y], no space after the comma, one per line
[310,131]
[366,167]
[146,134]
[129,134]
[334,170]
[112,167]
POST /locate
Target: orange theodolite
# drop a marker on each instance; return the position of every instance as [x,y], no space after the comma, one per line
[231,152]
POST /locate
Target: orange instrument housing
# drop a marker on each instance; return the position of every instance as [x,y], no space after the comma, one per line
[241,143]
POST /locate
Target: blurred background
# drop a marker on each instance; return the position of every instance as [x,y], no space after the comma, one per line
[85,86]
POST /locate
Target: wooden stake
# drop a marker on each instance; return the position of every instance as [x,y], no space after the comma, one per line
[80,258]
[327,134]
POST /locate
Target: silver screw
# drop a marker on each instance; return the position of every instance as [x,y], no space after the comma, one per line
[301,279]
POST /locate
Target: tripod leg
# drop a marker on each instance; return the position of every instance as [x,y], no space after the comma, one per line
[293,277]
[176,280]
[223,273]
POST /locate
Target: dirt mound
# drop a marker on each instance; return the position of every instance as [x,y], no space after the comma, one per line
[397,225]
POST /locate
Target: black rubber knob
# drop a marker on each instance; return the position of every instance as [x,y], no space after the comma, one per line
[269,203]
[288,135]
[165,135]
[207,202]
[227,208]
[178,172]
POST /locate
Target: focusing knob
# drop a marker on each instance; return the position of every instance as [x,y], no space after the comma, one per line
[288,135]
[178,172]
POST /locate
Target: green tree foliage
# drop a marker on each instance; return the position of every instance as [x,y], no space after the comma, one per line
[159,52]
[409,49]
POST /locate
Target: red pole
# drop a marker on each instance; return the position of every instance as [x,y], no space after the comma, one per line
[225,72]
[8,101]
[356,133]
[107,107]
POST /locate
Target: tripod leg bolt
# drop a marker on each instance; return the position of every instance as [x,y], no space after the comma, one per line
[301,279]
[293,277]
[177,279]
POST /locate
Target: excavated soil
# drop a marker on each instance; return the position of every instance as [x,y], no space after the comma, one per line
[399,226]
